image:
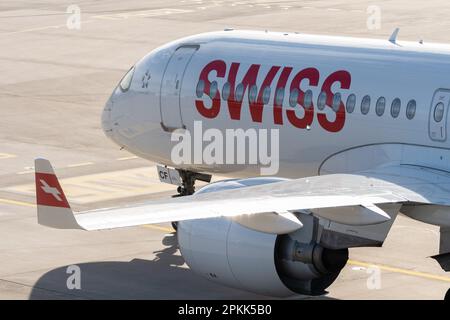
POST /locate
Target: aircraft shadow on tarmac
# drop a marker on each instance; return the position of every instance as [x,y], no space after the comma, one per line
[161,278]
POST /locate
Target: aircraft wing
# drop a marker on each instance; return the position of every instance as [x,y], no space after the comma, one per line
[356,195]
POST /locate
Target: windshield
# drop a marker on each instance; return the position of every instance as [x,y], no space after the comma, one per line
[125,83]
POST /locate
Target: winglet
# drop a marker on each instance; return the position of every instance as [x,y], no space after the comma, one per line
[393,37]
[53,209]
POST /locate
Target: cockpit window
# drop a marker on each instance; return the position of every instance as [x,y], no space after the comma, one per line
[125,83]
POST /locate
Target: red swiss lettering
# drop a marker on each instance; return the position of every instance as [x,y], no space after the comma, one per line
[256,104]
[220,67]
[234,106]
[312,74]
[344,78]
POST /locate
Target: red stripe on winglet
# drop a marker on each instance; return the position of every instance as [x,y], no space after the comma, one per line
[49,192]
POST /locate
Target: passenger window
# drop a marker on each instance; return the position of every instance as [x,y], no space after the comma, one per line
[336,102]
[125,83]
[365,104]
[266,95]
[226,91]
[213,89]
[279,96]
[411,109]
[308,99]
[200,88]
[293,97]
[395,108]
[351,103]
[321,100]
[381,105]
[239,94]
[252,93]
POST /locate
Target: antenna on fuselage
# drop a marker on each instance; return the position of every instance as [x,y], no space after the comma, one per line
[393,37]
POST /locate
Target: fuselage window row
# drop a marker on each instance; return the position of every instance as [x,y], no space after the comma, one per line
[295,94]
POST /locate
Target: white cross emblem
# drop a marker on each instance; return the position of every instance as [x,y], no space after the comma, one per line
[52,190]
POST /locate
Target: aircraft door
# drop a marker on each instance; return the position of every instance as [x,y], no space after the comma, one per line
[171,88]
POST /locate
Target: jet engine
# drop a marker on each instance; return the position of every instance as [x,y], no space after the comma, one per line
[226,252]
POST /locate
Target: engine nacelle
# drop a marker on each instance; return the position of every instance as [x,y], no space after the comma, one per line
[275,265]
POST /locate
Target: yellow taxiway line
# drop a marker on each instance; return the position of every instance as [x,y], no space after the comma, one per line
[399,270]
[18,203]
[155,227]
[7,155]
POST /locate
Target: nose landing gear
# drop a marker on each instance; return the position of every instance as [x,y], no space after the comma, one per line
[188,179]
[187,188]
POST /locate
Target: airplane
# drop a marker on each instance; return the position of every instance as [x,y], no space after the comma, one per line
[362,129]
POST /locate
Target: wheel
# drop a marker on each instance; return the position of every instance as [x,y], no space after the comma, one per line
[447,296]
[175,225]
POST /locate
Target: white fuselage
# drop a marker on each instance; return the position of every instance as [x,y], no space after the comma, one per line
[175,85]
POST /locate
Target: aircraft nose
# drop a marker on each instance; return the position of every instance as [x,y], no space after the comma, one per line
[106,118]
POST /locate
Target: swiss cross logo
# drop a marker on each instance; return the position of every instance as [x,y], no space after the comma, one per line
[49,192]
[53,191]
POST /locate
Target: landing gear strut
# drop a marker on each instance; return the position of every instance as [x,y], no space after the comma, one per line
[187,188]
[188,179]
